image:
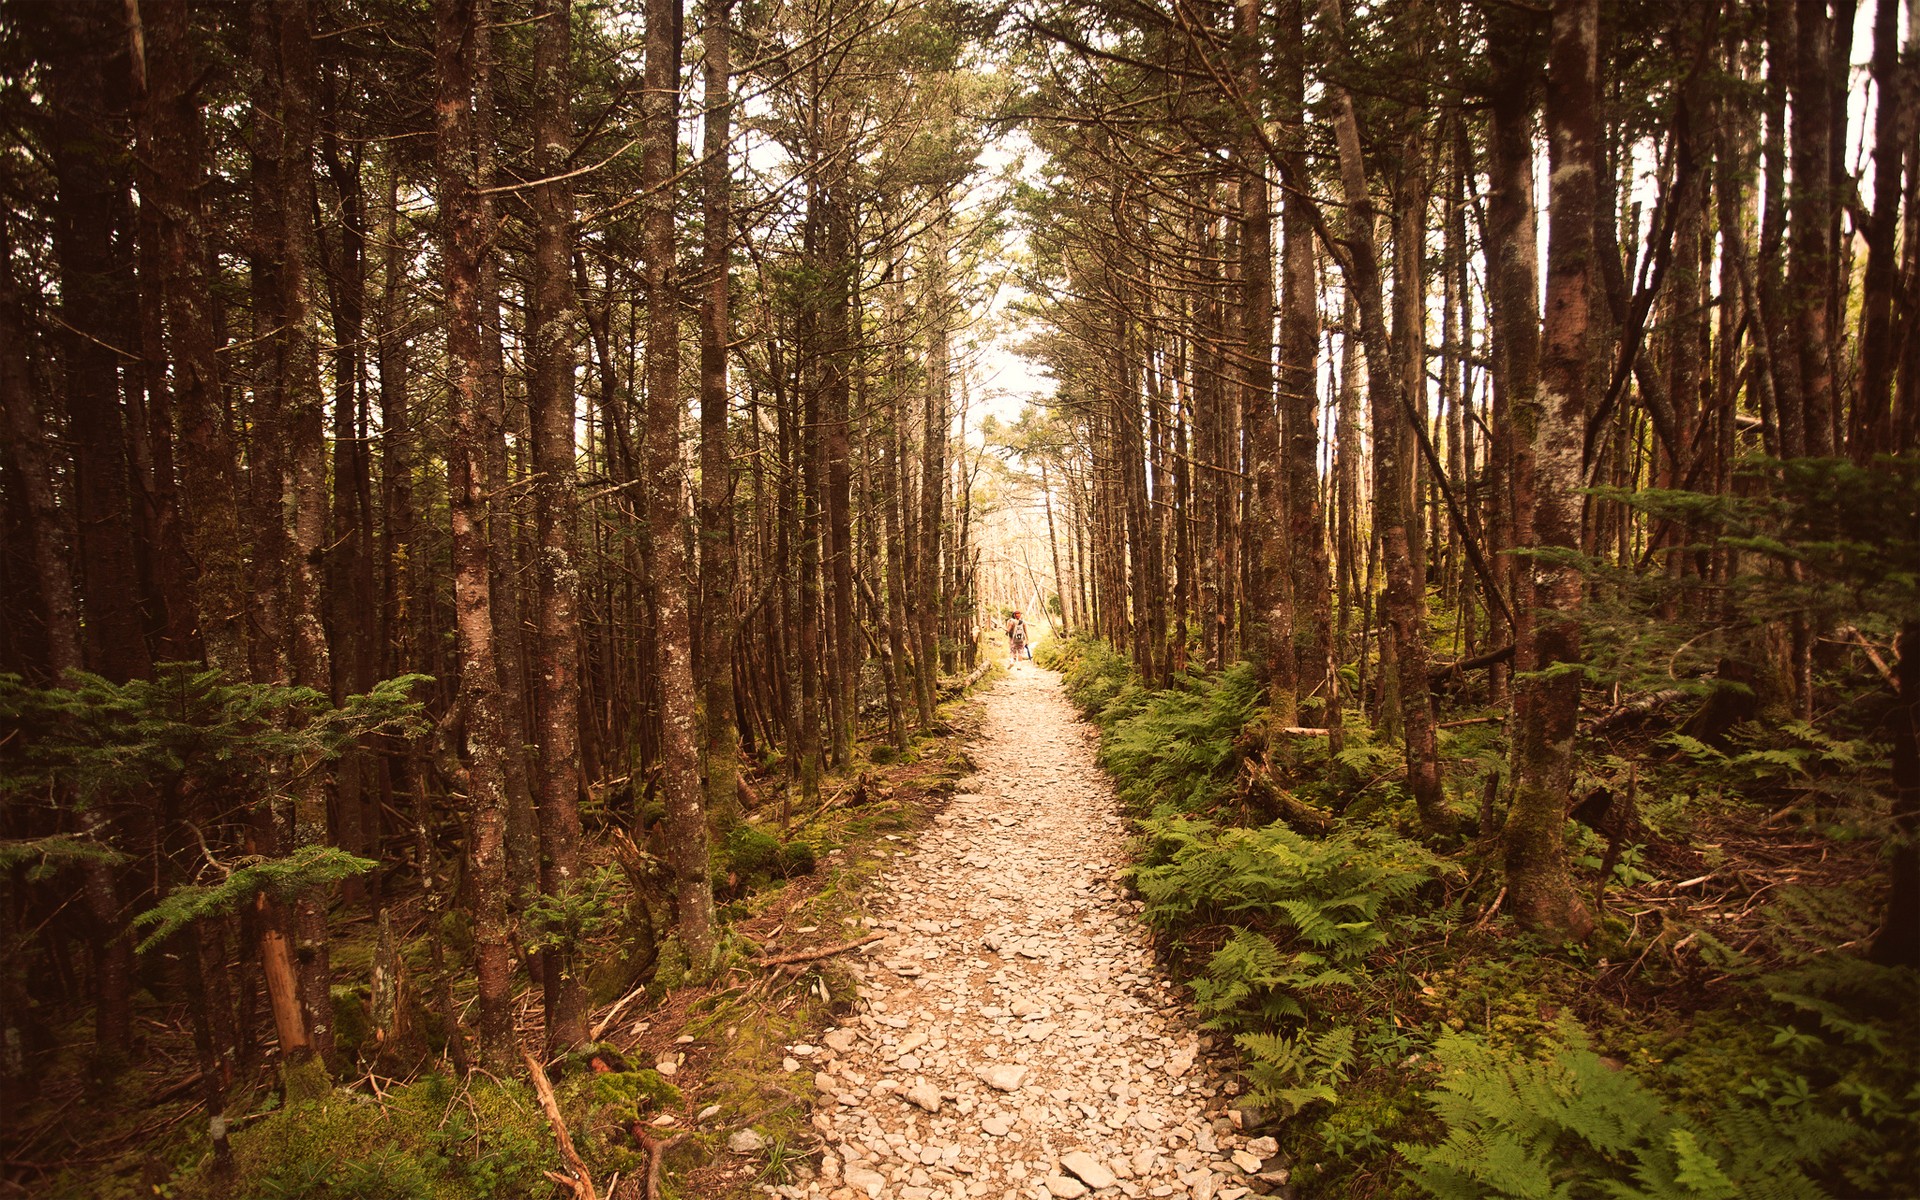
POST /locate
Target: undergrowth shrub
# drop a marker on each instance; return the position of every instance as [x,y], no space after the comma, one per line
[432,1139]
[1565,1124]
[1094,673]
[1304,916]
[1175,750]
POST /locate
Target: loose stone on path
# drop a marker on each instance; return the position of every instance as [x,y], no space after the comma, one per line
[1015,1041]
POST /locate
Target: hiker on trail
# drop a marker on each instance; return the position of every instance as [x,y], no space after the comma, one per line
[1017,637]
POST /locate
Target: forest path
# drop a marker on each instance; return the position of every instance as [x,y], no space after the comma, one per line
[1017,1039]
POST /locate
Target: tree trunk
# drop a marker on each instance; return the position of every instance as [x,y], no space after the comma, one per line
[551,319]
[1393,416]
[933,469]
[686,822]
[1549,432]
[305,408]
[717,552]
[88,101]
[1311,585]
[463,236]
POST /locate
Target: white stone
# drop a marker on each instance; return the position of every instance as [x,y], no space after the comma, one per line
[1005,1077]
[925,1095]
[1090,1169]
[1065,1187]
[745,1141]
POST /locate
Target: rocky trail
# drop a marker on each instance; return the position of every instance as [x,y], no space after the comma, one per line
[1014,1037]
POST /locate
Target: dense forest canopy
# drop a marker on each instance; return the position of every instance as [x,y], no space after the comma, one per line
[473,468]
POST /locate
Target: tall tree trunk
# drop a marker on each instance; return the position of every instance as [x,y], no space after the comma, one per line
[1394,416]
[1810,268]
[1871,431]
[509,625]
[463,236]
[305,409]
[717,552]
[550,320]
[1311,585]
[686,822]
[1549,433]
[209,484]
[933,470]
[1269,529]
[1512,235]
[88,103]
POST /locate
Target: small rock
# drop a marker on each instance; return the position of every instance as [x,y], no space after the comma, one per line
[1250,1163]
[745,1141]
[1065,1187]
[997,1126]
[865,1179]
[710,1110]
[667,1067]
[1022,1007]
[925,1095]
[823,1082]
[789,1064]
[1004,1077]
[840,1040]
[1263,1145]
[1089,1169]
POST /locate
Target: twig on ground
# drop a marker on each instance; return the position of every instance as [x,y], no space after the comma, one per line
[781,960]
[656,1150]
[606,1022]
[581,1181]
[1491,909]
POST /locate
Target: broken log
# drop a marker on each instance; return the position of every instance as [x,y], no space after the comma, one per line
[781,960]
[581,1181]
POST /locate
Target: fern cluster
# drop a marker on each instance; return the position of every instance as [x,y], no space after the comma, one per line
[1175,749]
[1565,1126]
[1306,914]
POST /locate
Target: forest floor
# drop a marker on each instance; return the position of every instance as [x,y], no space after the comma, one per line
[1016,1037]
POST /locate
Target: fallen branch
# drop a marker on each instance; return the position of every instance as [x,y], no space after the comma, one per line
[1491,909]
[781,960]
[1633,708]
[656,1151]
[1442,671]
[581,1181]
[1873,655]
[613,1013]
[1464,721]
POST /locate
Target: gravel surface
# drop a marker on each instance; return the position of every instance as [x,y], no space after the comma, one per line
[1014,1038]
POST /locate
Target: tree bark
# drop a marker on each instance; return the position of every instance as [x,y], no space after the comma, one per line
[551,318]
[88,107]
[686,822]
[463,243]
[717,551]
[1299,402]
[1549,433]
[1393,414]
